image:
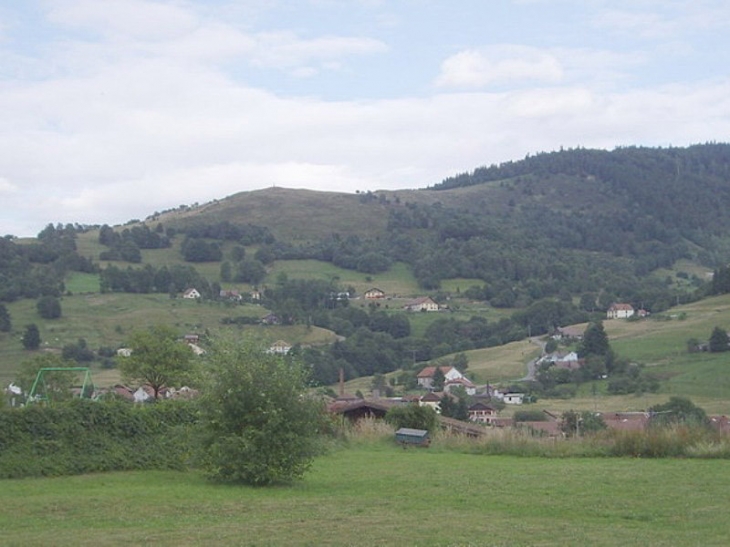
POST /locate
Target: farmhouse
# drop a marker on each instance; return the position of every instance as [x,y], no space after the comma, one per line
[361,408]
[191,293]
[425,377]
[619,310]
[568,333]
[430,399]
[481,413]
[467,384]
[513,398]
[231,295]
[270,319]
[422,304]
[374,293]
[280,347]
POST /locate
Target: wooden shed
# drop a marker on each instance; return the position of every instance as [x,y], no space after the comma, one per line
[417,437]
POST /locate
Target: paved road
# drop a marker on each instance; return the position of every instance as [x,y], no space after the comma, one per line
[532,365]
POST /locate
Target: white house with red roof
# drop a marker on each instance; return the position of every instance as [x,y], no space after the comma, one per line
[425,377]
[619,310]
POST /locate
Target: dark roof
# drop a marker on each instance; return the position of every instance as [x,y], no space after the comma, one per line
[481,406]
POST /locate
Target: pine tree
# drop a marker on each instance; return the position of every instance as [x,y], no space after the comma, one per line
[5,324]
[719,340]
[32,337]
[595,341]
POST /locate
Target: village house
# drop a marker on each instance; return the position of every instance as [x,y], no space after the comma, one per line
[280,347]
[464,382]
[561,357]
[270,319]
[513,398]
[569,334]
[619,310]
[422,304]
[374,293]
[231,295]
[432,400]
[191,293]
[425,377]
[482,413]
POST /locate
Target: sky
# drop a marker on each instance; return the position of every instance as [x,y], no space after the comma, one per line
[112,110]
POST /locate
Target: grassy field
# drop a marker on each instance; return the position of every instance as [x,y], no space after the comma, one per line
[379,494]
[107,320]
[397,281]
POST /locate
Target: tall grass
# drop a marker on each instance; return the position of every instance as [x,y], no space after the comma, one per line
[678,441]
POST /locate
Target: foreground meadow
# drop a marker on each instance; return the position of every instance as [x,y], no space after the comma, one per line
[377,494]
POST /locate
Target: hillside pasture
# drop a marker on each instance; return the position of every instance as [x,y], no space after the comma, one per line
[397,281]
[505,363]
[107,320]
[378,494]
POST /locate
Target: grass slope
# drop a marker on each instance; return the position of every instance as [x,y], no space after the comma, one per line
[107,320]
[659,344]
[289,213]
[383,495]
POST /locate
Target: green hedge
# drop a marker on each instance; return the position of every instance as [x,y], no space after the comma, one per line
[84,436]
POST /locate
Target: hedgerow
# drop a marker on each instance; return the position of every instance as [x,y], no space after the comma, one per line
[83,436]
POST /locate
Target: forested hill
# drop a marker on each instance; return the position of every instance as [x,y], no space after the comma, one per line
[683,188]
[576,222]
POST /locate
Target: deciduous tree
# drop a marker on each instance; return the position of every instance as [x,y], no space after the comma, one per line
[49,307]
[158,359]
[259,426]
[414,416]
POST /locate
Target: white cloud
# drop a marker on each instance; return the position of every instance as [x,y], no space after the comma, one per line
[117,115]
[7,187]
[286,49]
[139,19]
[503,64]
[635,23]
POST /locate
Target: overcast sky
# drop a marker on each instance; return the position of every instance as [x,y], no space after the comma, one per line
[115,109]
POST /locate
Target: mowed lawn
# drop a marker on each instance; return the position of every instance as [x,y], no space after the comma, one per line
[383,495]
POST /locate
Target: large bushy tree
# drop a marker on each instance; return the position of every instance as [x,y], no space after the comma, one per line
[158,359]
[413,416]
[581,423]
[49,307]
[259,426]
[678,410]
